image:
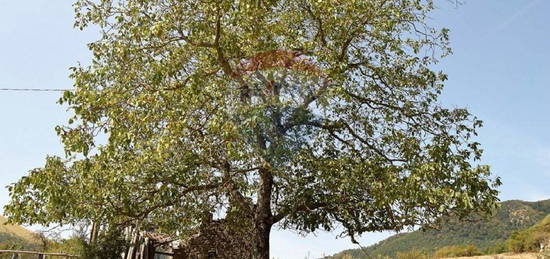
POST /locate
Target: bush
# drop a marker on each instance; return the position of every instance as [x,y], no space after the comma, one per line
[413,254]
[527,241]
[110,244]
[74,246]
[516,242]
[497,248]
[456,251]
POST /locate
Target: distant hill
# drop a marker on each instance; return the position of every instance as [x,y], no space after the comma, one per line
[14,236]
[530,239]
[484,233]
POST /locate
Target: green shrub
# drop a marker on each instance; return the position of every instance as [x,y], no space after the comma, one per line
[413,254]
[109,245]
[456,251]
[497,248]
[516,242]
[529,240]
[74,246]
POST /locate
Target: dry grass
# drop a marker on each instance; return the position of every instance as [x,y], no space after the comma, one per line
[504,256]
[18,231]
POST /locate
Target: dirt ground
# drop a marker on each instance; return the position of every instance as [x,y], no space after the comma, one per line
[504,256]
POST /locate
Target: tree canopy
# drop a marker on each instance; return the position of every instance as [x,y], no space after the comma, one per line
[306,114]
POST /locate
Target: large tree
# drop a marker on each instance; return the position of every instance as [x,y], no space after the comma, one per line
[306,114]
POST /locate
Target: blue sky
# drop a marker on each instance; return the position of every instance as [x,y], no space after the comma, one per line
[500,70]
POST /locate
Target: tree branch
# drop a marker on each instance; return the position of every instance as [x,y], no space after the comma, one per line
[302,207]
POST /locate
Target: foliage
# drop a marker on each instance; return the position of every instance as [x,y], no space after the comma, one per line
[110,244]
[74,245]
[488,234]
[413,254]
[457,251]
[306,114]
[529,240]
[16,237]
[8,241]
[497,248]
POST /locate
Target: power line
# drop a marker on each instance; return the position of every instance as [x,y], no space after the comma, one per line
[35,89]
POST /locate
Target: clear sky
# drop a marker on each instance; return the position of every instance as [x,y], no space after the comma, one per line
[500,70]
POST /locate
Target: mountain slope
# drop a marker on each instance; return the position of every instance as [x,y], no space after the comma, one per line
[530,239]
[17,236]
[484,233]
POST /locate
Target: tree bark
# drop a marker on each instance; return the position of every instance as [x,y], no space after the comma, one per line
[94,232]
[263,218]
[262,240]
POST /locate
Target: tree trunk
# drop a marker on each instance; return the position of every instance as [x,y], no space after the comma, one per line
[93,232]
[262,241]
[263,218]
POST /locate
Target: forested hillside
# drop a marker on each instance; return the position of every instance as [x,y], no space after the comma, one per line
[16,237]
[483,233]
[529,240]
